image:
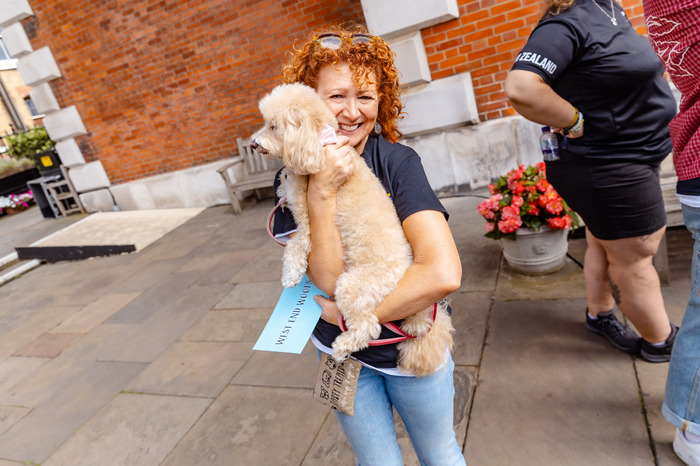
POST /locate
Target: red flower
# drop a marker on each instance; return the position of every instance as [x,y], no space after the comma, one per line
[510,211]
[532,209]
[548,195]
[554,207]
[489,206]
[557,223]
[516,201]
[510,225]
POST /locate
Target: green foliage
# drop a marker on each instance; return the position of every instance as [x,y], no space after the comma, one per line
[28,143]
[10,166]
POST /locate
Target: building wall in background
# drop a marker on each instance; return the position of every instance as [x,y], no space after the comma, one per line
[164,85]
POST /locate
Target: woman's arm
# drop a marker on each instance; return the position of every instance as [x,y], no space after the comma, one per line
[325,262]
[436,270]
[531,97]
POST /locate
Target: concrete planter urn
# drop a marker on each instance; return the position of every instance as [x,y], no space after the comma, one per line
[536,252]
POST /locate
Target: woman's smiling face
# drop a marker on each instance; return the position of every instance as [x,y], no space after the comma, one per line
[355,108]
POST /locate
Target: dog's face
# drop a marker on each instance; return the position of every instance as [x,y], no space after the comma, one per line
[294,115]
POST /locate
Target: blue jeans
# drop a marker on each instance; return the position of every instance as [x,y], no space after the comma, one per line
[682,403]
[425,405]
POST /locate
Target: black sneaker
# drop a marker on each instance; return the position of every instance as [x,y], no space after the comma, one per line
[659,353]
[622,337]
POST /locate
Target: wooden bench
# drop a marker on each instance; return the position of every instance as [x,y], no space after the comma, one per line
[64,194]
[256,173]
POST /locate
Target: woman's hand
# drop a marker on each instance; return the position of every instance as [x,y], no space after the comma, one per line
[337,168]
[329,310]
[571,134]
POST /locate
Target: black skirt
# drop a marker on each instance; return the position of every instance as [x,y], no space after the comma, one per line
[615,199]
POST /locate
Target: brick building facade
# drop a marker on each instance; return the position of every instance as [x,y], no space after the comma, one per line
[164,85]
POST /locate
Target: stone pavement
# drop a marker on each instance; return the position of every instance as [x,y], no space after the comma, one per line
[146,358]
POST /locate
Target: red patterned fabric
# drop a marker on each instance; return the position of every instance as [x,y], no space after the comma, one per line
[674,30]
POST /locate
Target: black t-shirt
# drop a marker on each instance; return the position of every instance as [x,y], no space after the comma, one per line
[611,74]
[399,169]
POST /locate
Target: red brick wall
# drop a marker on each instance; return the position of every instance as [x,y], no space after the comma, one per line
[485,39]
[163,85]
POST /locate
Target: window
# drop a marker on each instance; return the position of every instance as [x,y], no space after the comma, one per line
[32,108]
[4,54]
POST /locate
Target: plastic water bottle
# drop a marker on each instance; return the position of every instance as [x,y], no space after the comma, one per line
[549,145]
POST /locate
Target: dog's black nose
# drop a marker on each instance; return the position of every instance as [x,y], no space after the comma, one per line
[254,144]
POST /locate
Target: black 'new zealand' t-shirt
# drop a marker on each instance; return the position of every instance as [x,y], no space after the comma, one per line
[611,74]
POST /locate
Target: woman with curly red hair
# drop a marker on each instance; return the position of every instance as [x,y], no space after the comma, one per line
[355,75]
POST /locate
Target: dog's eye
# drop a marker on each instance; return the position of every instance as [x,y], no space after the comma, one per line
[272,127]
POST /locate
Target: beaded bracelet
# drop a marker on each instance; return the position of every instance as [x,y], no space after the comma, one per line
[577,126]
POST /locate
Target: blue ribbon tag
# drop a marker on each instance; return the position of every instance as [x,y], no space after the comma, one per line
[292,321]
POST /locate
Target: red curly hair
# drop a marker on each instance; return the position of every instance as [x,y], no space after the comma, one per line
[308,58]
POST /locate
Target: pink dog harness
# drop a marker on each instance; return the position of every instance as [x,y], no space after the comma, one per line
[391,326]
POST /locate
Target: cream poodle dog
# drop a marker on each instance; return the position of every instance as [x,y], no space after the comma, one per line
[375,249]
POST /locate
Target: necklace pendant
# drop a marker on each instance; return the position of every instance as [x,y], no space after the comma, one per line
[613,21]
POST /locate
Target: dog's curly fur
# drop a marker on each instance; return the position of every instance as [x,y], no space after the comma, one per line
[375,249]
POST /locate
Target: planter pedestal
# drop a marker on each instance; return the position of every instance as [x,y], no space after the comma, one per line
[536,252]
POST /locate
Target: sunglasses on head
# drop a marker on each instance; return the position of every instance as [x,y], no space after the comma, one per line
[331,40]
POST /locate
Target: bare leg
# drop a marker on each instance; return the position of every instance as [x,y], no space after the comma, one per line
[635,283]
[595,272]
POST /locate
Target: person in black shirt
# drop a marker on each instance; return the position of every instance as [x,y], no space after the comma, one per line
[355,75]
[587,73]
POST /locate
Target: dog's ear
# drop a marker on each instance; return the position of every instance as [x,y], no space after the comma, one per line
[302,148]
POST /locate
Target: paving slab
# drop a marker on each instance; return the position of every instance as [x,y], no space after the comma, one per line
[48,345]
[470,314]
[11,415]
[54,420]
[35,323]
[144,340]
[249,295]
[540,368]
[14,370]
[330,446]
[90,316]
[253,425]
[271,369]
[267,263]
[229,325]
[131,430]
[199,369]
[163,293]
[562,284]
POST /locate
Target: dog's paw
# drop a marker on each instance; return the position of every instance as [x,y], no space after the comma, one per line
[290,282]
[291,276]
[343,346]
[340,355]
